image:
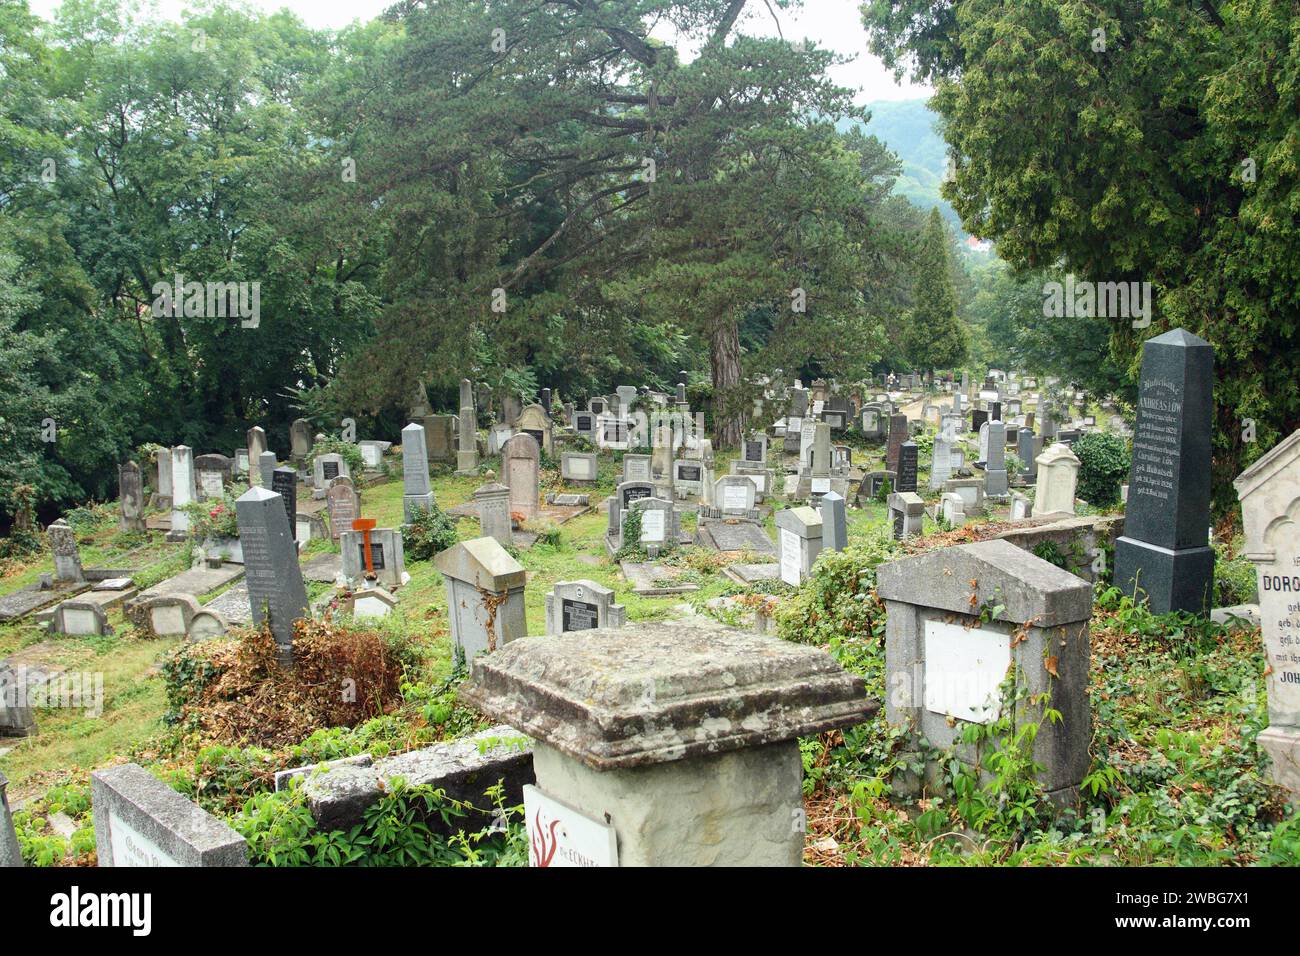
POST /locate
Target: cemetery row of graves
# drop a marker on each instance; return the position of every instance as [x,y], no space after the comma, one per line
[917,620]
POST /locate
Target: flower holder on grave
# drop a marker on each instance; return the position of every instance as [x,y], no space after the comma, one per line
[682,741]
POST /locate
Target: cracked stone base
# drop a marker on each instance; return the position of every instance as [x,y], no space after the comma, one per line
[1282,744]
[743,808]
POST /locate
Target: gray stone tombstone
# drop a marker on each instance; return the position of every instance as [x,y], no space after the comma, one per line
[941,459]
[416,491]
[300,439]
[996,482]
[10,853]
[467,449]
[130,491]
[520,465]
[163,459]
[140,821]
[1028,446]
[325,468]
[945,661]
[897,435]
[79,618]
[485,597]
[182,491]
[1270,504]
[493,500]
[343,504]
[799,540]
[275,586]
[266,468]
[16,716]
[835,530]
[439,437]
[257,446]
[636,468]
[582,606]
[754,449]
[906,514]
[635,729]
[688,478]
[67,556]
[1163,553]
[579,467]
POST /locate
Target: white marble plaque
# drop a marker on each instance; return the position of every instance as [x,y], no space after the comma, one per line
[790,554]
[80,621]
[132,848]
[560,836]
[963,669]
[210,482]
[734,498]
[652,526]
[821,486]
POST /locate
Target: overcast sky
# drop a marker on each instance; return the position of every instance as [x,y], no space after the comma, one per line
[834,24]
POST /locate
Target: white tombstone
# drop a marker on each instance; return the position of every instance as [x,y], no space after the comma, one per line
[1058,476]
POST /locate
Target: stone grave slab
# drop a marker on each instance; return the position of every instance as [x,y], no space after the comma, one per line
[650,580]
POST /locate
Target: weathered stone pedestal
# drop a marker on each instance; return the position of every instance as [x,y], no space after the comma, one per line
[682,741]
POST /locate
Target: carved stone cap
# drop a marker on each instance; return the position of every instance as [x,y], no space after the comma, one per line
[653,693]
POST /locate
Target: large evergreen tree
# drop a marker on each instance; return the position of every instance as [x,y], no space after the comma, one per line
[933,337]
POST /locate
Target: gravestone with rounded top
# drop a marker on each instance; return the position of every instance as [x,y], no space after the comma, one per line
[1058,476]
[520,464]
[582,606]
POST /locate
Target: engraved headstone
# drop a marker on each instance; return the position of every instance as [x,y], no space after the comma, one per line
[130,490]
[275,586]
[1163,553]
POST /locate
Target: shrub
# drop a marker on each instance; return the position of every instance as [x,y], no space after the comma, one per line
[215,517]
[837,600]
[1103,467]
[350,453]
[429,533]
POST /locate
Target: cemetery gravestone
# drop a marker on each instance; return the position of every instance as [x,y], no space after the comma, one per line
[163,459]
[284,482]
[275,586]
[266,468]
[1163,552]
[343,504]
[467,450]
[799,533]
[578,467]
[897,435]
[140,821]
[996,482]
[10,853]
[906,514]
[67,557]
[130,490]
[439,437]
[182,492]
[417,493]
[907,457]
[626,722]
[493,501]
[485,597]
[1270,503]
[521,463]
[1058,476]
[300,439]
[256,438]
[945,662]
[835,531]
[582,606]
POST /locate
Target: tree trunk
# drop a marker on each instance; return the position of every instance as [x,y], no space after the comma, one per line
[724,359]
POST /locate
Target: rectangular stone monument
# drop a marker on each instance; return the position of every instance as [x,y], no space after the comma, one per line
[520,465]
[467,447]
[582,606]
[1270,505]
[182,491]
[799,541]
[67,556]
[906,514]
[945,659]
[1163,553]
[897,435]
[835,529]
[578,467]
[485,597]
[907,458]
[284,482]
[140,821]
[417,493]
[130,492]
[10,853]
[257,447]
[642,728]
[996,481]
[493,500]
[275,587]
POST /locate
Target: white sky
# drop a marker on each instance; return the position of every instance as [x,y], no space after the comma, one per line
[833,24]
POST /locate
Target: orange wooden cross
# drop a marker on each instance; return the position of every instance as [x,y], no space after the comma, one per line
[365,526]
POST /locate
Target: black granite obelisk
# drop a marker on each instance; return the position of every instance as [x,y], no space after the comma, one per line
[1164,554]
